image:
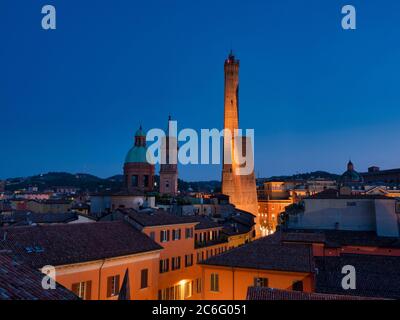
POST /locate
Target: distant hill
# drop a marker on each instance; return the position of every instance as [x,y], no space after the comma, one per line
[85,182]
[304,176]
[91,183]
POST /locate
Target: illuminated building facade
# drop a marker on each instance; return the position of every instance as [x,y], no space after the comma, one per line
[273,198]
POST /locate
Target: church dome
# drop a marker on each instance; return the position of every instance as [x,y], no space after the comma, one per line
[351,176]
[137,154]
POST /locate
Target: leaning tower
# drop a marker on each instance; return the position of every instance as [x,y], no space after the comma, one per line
[241,189]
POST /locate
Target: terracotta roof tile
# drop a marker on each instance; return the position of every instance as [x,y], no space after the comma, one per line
[153,217]
[19,282]
[376,276]
[74,243]
[255,293]
[263,254]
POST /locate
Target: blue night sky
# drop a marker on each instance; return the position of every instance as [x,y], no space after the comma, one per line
[71,99]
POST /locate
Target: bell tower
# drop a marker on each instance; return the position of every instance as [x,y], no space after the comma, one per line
[169,169]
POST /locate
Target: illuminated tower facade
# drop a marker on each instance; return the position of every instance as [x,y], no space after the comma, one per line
[241,189]
[169,170]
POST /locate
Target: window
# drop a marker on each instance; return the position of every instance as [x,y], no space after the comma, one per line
[261,282]
[176,234]
[188,260]
[144,278]
[178,291]
[83,289]
[297,286]
[112,286]
[198,285]
[176,263]
[164,235]
[189,233]
[135,181]
[172,293]
[164,266]
[214,282]
[188,289]
[161,295]
[153,235]
[166,294]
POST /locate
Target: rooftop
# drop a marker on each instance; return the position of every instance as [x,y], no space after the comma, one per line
[376,276]
[52,201]
[335,194]
[263,254]
[123,193]
[153,217]
[262,293]
[24,217]
[235,227]
[19,282]
[74,243]
[203,222]
[337,238]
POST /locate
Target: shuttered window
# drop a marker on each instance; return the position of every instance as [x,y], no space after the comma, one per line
[83,290]
[214,282]
[113,286]
[164,235]
[144,275]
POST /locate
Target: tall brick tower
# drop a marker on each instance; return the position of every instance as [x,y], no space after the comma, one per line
[169,170]
[241,189]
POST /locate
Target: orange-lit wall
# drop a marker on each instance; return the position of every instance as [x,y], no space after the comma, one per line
[269,210]
[172,249]
[184,247]
[98,272]
[234,282]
